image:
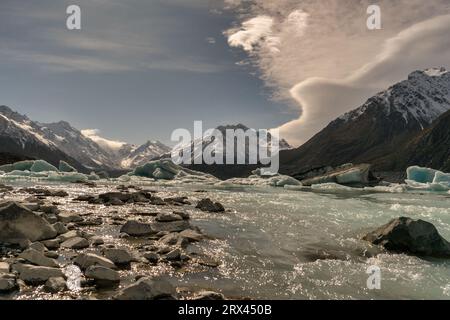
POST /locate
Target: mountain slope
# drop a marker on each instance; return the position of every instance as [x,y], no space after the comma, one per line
[21,138]
[373,132]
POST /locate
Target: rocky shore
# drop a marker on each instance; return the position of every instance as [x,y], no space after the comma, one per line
[118,244]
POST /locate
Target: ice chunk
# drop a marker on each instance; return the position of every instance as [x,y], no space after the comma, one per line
[20,173]
[65,167]
[23,165]
[41,165]
[442,178]
[354,175]
[67,177]
[334,187]
[7,168]
[421,175]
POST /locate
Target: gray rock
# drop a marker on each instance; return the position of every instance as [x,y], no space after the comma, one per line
[60,228]
[51,244]
[75,243]
[174,255]
[4,267]
[68,235]
[38,246]
[416,237]
[168,217]
[209,206]
[52,254]
[174,239]
[97,241]
[8,283]
[148,289]
[151,257]
[36,275]
[209,295]
[17,223]
[49,209]
[136,229]
[175,226]
[32,206]
[103,276]
[191,235]
[55,285]
[38,258]
[67,217]
[182,214]
[85,260]
[118,256]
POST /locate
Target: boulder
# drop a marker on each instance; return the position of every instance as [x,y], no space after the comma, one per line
[38,246]
[8,283]
[174,239]
[55,285]
[416,237]
[4,267]
[118,256]
[191,235]
[67,217]
[148,289]
[208,206]
[85,260]
[168,217]
[174,226]
[209,295]
[60,228]
[75,243]
[36,275]
[17,223]
[136,229]
[103,276]
[38,258]
[174,255]
[51,244]
[151,257]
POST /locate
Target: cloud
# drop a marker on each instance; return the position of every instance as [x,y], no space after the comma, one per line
[105,144]
[319,57]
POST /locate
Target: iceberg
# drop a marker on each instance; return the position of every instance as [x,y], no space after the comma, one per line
[41,165]
[443,178]
[65,167]
[421,175]
[347,174]
[333,187]
[257,179]
[427,179]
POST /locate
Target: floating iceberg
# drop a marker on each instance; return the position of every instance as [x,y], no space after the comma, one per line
[257,179]
[347,174]
[41,166]
[65,167]
[421,175]
[334,187]
[426,179]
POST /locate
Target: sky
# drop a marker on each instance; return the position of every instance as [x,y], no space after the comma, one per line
[139,69]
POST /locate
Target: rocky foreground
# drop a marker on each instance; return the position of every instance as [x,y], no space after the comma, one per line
[53,244]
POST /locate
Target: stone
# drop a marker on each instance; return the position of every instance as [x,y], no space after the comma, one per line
[85,260]
[17,223]
[151,257]
[182,214]
[50,209]
[416,237]
[192,235]
[118,256]
[75,243]
[173,239]
[208,206]
[136,229]
[51,244]
[36,275]
[52,254]
[38,258]
[68,235]
[67,217]
[97,241]
[209,295]
[174,255]
[32,206]
[8,283]
[4,267]
[103,276]
[55,285]
[168,217]
[60,228]
[38,246]
[148,289]
[174,226]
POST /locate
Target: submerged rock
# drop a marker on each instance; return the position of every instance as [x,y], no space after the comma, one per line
[148,289]
[416,237]
[209,206]
[17,223]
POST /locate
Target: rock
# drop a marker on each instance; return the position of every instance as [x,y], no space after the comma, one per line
[136,229]
[168,217]
[32,206]
[69,235]
[51,244]
[209,206]
[67,217]
[416,237]
[151,257]
[174,226]
[182,214]
[209,295]
[8,283]
[174,255]
[97,241]
[148,289]
[4,267]
[191,235]
[51,254]
[60,228]
[103,276]
[174,239]
[49,209]
[75,243]
[178,200]
[36,275]
[38,246]
[86,260]
[38,258]
[55,285]
[17,223]
[118,256]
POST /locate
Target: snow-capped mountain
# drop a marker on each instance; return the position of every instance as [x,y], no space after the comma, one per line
[375,131]
[23,138]
[140,155]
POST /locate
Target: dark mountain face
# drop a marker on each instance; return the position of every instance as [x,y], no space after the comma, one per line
[377,131]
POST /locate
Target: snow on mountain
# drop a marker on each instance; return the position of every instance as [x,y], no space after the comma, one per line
[144,153]
[422,98]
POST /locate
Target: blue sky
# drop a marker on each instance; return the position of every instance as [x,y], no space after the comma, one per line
[137,70]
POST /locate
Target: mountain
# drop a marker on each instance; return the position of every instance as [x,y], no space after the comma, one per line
[378,129]
[21,138]
[137,156]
